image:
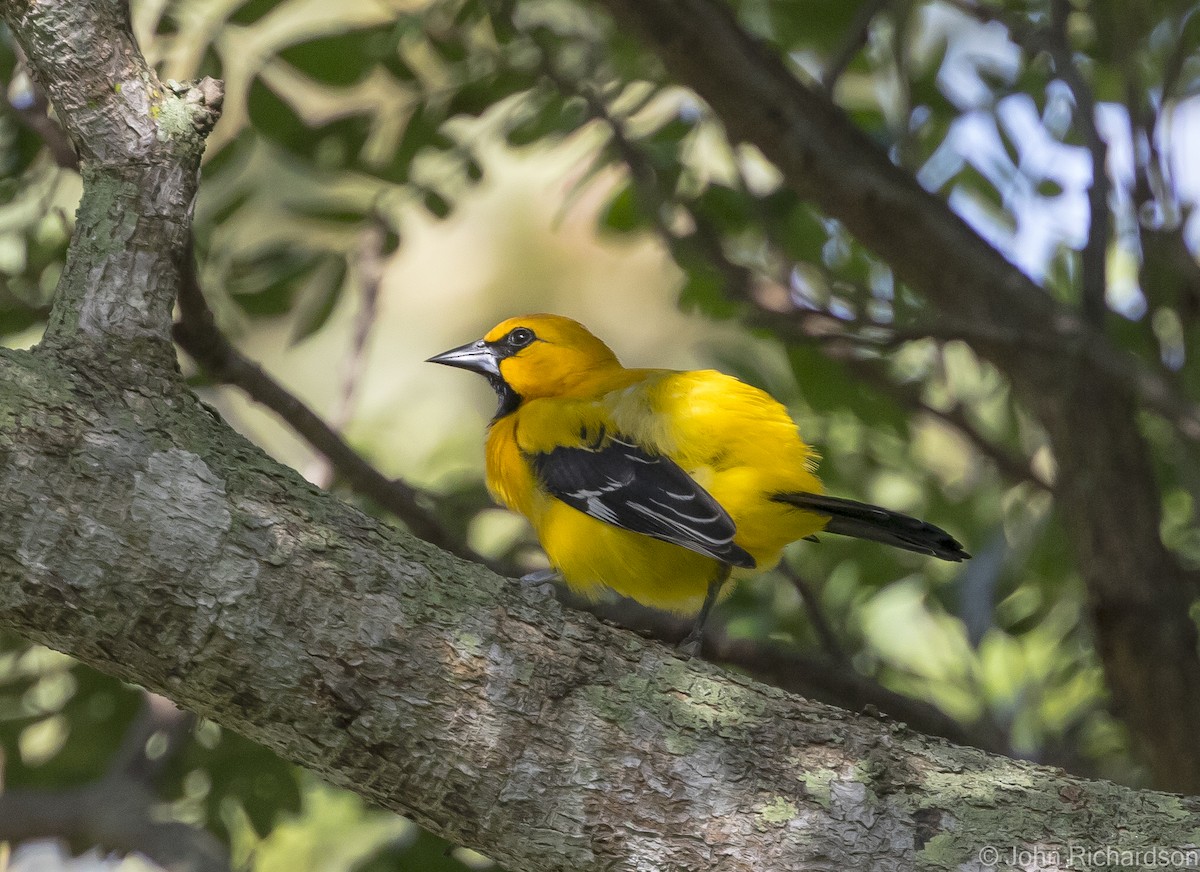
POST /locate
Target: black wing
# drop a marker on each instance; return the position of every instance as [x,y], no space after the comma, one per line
[622,485]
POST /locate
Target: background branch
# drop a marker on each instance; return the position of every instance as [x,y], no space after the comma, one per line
[369,264]
[118,811]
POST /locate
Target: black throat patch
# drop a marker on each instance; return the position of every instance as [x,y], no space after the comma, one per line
[509,399]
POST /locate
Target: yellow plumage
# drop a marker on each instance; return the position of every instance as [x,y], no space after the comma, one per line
[590,453]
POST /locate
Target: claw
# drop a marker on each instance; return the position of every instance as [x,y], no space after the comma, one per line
[541,576]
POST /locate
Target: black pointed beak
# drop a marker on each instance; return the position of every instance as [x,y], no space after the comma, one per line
[476,356]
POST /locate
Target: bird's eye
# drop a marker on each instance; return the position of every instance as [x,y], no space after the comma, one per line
[520,337]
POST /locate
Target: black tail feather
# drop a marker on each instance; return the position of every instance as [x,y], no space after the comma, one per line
[864,521]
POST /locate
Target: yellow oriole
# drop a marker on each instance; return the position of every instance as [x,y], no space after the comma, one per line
[654,483]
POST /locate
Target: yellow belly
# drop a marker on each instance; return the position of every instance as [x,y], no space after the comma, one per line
[592,555]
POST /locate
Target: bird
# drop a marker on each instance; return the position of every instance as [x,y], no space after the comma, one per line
[657,484]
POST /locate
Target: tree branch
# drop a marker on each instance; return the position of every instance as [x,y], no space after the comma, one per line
[142,536]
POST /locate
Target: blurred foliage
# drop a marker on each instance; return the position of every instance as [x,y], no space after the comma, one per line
[385,118]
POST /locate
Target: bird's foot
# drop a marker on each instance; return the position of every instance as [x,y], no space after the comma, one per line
[690,646]
[541,576]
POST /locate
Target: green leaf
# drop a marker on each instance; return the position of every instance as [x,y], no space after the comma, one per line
[422,132]
[398,67]
[828,387]
[252,11]
[623,214]
[449,46]
[274,117]
[730,210]
[319,296]
[265,282]
[238,770]
[425,852]
[332,213]
[437,205]
[17,319]
[227,210]
[476,96]
[553,118]
[341,58]
[804,234]
[96,710]
[333,145]
[391,242]
[704,291]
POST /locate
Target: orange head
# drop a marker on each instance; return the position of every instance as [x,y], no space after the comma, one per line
[533,356]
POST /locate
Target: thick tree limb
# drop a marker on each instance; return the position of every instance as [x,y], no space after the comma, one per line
[141,535]
[1083,390]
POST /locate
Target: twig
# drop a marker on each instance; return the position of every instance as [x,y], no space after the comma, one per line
[815,610]
[370,266]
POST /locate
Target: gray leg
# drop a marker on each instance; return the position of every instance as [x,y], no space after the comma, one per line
[690,646]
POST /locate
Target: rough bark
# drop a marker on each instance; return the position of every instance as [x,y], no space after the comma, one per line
[1083,390]
[141,535]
